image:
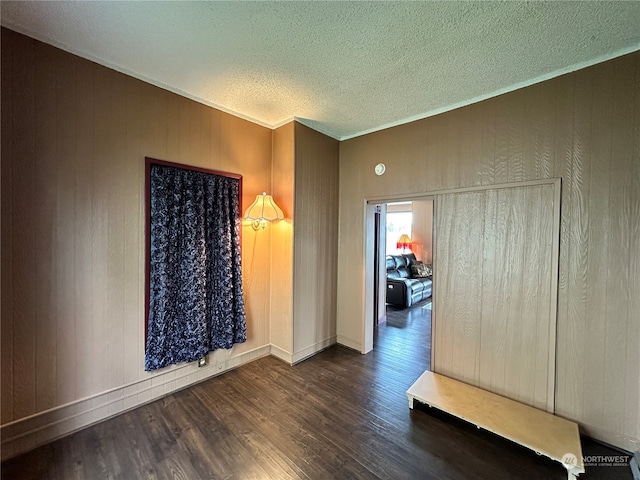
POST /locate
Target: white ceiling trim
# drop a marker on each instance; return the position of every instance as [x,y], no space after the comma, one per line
[502,91]
[345,69]
[112,66]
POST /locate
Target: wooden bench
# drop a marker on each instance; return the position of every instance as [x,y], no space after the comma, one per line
[542,432]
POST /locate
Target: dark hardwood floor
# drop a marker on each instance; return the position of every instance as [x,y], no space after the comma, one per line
[337,415]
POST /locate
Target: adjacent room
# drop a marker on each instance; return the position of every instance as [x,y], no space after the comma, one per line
[308,240]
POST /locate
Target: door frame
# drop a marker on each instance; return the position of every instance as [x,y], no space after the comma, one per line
[370,271]
[372,201]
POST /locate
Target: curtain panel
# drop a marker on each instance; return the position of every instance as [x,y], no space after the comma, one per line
[196,302]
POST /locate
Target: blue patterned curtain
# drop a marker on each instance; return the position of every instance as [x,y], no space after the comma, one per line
[196,303]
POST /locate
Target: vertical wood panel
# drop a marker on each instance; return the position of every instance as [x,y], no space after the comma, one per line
[315,241]
[597,266]
[619,254]
[134,245]
[101,190]
[6,219]
[578,183]
[118,157]
[583,128]
[632,391]
[65,260]
[567,392]
[488,126]
[282,239]
[484,333]
[45,203]
[74,140]
[23,273]
[85,231]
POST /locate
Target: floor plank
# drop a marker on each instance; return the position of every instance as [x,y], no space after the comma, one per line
[337,415]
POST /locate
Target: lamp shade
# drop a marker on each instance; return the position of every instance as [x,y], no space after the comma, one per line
[404,241]
[263,210]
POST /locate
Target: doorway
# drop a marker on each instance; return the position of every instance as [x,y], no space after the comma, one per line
[403,228]
[495,259]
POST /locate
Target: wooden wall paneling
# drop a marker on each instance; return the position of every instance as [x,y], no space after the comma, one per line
[155,109]
[441,331]
[74,138]
[505,273]
[350,333]
[203,119]
[490,289]
[633,358]
[332,236]
[467,263]
[490,345]
[174,127]
[215,146]
[542,294]
[537,143]
[569,126]
[513,199]
[436,159]
[192,143]
[532,378]
[305,245]
[496,338]
[632,387]
[84,228]
[98,183]
[503,135]
[281,283]
[114,129]
[471,156]
[45,204]
[567,391]
[65,248]
[118,256]
[515,116]
[255,163]
[452,136]
[134,240]
[578,231]
[188,134]
[23,274]
[225,139]
[601,113]
[619,255]
[488,125]
[6,219]
[315,247]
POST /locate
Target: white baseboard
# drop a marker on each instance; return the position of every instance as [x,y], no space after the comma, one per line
[349,343]
[282,354]
[311,350]
[28,433]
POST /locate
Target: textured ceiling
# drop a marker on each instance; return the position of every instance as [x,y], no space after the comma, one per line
[343,68]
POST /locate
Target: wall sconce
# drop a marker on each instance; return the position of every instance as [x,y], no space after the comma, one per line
[404,242]
[263,210]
